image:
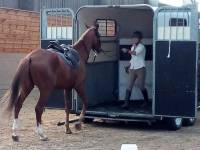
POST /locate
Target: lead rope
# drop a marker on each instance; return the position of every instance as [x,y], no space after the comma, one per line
[170,30]
[95,55]
[169,51]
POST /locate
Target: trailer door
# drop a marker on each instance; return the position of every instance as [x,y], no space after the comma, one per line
[56,24]
[175,61]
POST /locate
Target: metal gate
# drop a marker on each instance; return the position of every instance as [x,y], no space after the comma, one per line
[175,61]
[56,24]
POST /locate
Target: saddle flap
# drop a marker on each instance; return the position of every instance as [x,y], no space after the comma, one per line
[72,54]
[68,53]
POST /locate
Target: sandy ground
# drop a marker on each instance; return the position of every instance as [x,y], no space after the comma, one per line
[95,136]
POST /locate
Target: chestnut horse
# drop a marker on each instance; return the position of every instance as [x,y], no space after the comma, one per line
[47,70]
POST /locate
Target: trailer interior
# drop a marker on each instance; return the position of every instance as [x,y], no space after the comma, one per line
[106,77]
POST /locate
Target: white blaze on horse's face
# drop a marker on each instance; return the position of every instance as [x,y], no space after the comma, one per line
[40,132]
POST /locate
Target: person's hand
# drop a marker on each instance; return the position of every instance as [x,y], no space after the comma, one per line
[132,52]
[125,50]
[126,69]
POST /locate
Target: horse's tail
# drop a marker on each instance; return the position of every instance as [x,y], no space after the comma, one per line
[13,93]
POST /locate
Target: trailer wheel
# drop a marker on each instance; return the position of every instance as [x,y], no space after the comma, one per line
[174,123]
[88,120]
[189,121]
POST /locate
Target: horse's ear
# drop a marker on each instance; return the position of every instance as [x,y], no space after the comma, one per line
[96,25]
[87,26]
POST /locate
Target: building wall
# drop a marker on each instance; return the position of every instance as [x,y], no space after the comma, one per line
[152,2]
[118,2]
[73,4]
[19,30]
[8,65]
[9,3]
[35,5]
[19,34]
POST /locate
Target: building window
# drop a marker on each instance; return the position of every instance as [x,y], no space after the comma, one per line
[107,27]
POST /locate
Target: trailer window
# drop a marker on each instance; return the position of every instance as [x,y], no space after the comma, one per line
[177,22]
[107,27]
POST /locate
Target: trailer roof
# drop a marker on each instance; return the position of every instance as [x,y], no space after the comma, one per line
[137,6]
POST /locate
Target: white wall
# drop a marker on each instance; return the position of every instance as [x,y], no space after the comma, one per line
[128,20]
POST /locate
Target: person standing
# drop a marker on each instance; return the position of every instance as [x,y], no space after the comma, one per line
[136,68]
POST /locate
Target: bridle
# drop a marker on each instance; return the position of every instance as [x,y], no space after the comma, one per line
[95,53]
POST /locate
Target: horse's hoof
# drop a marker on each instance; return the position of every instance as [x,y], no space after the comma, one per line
[68,131]
[44,138]
[78,126]
[60,123]
[15,138]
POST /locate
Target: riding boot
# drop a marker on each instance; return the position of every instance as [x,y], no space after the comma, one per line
[127,99]
[145,95]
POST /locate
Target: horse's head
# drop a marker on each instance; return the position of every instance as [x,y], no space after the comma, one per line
[95,38]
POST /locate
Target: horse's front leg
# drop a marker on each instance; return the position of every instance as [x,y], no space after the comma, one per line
[67,98]
[81,92]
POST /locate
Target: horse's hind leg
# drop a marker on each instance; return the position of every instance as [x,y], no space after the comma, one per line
[82,94]
[67,97]
[44,93]
[21,98]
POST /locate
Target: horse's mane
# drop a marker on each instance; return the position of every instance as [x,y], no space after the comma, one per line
[84,34]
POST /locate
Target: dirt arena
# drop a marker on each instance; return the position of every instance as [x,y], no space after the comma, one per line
[95,136]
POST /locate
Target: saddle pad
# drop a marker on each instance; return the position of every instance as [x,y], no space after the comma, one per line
[71,57]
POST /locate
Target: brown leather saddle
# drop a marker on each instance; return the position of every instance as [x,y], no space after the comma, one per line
[67,52]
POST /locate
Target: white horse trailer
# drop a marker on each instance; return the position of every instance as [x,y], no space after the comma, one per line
[170,36]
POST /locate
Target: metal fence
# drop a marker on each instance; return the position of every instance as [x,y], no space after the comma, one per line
[56,23]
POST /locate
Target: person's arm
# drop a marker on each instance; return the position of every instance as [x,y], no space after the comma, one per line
[132,52]
[124,50]
[138,50]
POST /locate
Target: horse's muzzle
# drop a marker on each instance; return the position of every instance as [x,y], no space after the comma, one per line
[100,50]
